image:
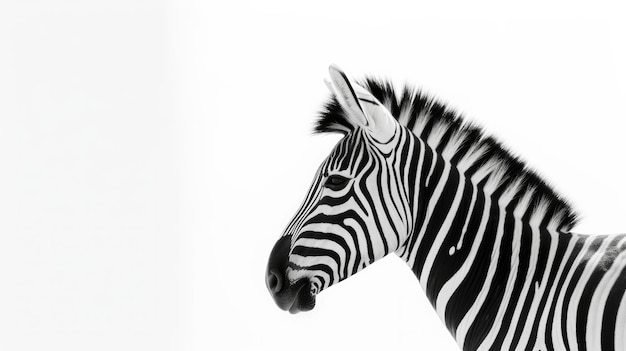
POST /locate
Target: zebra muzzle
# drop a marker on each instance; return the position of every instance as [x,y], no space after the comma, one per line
[290,296]
[296,298]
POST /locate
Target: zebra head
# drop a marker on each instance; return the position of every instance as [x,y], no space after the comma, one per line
[357,209]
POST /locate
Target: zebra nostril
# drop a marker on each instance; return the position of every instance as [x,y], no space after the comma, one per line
[274,281]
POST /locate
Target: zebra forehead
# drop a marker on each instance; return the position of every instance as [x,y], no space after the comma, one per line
[459,141]
[348,151]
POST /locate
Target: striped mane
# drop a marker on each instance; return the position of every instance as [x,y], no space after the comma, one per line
[461,143]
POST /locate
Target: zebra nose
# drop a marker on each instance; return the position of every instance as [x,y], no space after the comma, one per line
[274,281]
[275,277]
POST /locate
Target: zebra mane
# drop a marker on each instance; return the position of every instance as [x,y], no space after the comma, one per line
[460,142]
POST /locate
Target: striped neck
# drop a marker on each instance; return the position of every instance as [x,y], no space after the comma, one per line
[475,245]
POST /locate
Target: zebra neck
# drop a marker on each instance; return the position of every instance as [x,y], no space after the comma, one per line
[473,245]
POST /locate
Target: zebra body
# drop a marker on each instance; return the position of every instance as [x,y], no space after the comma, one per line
[488,240]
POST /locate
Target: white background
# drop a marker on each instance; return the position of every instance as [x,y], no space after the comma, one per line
[151,152]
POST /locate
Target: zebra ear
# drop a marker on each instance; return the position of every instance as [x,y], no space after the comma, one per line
[363,109]
[347,97]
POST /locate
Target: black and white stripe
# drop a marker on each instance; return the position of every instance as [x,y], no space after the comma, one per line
[488,240]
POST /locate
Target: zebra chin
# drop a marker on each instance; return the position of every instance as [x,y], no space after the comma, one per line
[295,297]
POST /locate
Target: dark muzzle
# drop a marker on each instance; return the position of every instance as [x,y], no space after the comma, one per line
[292,296]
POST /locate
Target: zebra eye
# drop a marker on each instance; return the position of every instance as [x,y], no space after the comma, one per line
[336,182]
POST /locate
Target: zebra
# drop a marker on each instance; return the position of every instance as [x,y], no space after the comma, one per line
[489,241]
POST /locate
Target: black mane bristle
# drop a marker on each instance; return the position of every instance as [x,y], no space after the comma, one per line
[332,119]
